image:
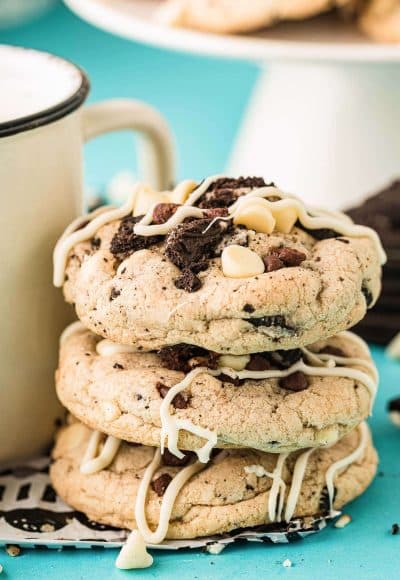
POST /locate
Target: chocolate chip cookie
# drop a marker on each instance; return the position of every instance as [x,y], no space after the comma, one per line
[230,265]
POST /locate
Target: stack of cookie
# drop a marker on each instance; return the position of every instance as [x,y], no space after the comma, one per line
[382,212]
[211,381]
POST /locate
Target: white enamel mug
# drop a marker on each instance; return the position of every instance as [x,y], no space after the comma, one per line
[43,127]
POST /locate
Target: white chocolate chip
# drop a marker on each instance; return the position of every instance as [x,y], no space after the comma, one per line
[287,563]
[146,198]
[255,214]
[343,521]
[215,548]
[240,262]
[237,363]
[285,218]
[327,436]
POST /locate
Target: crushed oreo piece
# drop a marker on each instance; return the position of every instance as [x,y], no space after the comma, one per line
[179,401]
[163,211]
[225,191]
[333,350]
[118,366]
[186,357]
[248,308]
[172,461]
[233,381]
[125,241]
[295,382]
[268,321]
[367,295]
[188,281]
[95,243]
[284,359]
[216,212]
[194,241]
[160,484]
[190,245]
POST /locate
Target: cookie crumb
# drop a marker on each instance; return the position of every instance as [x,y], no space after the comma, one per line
[47,528]
[343,521]
[287,563]
[13,551]
[395,529]
[215,548]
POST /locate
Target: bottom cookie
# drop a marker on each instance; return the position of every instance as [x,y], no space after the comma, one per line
[169,498]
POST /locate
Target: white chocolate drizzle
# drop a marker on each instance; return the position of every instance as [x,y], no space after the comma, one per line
[310,218]
[277,492]
[92,463]
[71,330]
[343,463]
[324,365]
[106,347]
[134,553]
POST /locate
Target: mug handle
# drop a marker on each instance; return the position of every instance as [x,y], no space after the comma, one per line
[156,151]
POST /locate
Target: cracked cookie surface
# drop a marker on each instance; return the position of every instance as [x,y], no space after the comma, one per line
[221,498]
[151,292]
[121,394]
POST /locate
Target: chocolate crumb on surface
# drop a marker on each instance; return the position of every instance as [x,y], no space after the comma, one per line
[395,529]
[248,308]
[160,484]
[179,401]
[295,382]
[118,366]
[125,241]
[114,293]
[172,461]
[367,295]
[95,243]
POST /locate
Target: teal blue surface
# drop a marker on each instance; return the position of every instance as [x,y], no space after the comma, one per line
[203,100]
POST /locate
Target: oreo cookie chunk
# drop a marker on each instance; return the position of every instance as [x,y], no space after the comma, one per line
[382,213]
[225,191]
[394,411]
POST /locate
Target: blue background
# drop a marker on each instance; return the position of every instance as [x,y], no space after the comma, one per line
[204,99]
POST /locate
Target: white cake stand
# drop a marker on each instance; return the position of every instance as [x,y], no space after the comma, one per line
[324,120]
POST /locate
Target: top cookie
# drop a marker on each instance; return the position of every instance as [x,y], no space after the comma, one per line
[231,265]
[225,16]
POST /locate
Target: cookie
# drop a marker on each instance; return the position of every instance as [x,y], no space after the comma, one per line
[237,489]
[289,400]
[382,212]
[231,265]
[229,16]
[381,20]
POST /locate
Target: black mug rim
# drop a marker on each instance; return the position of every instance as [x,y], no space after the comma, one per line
[51,114]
